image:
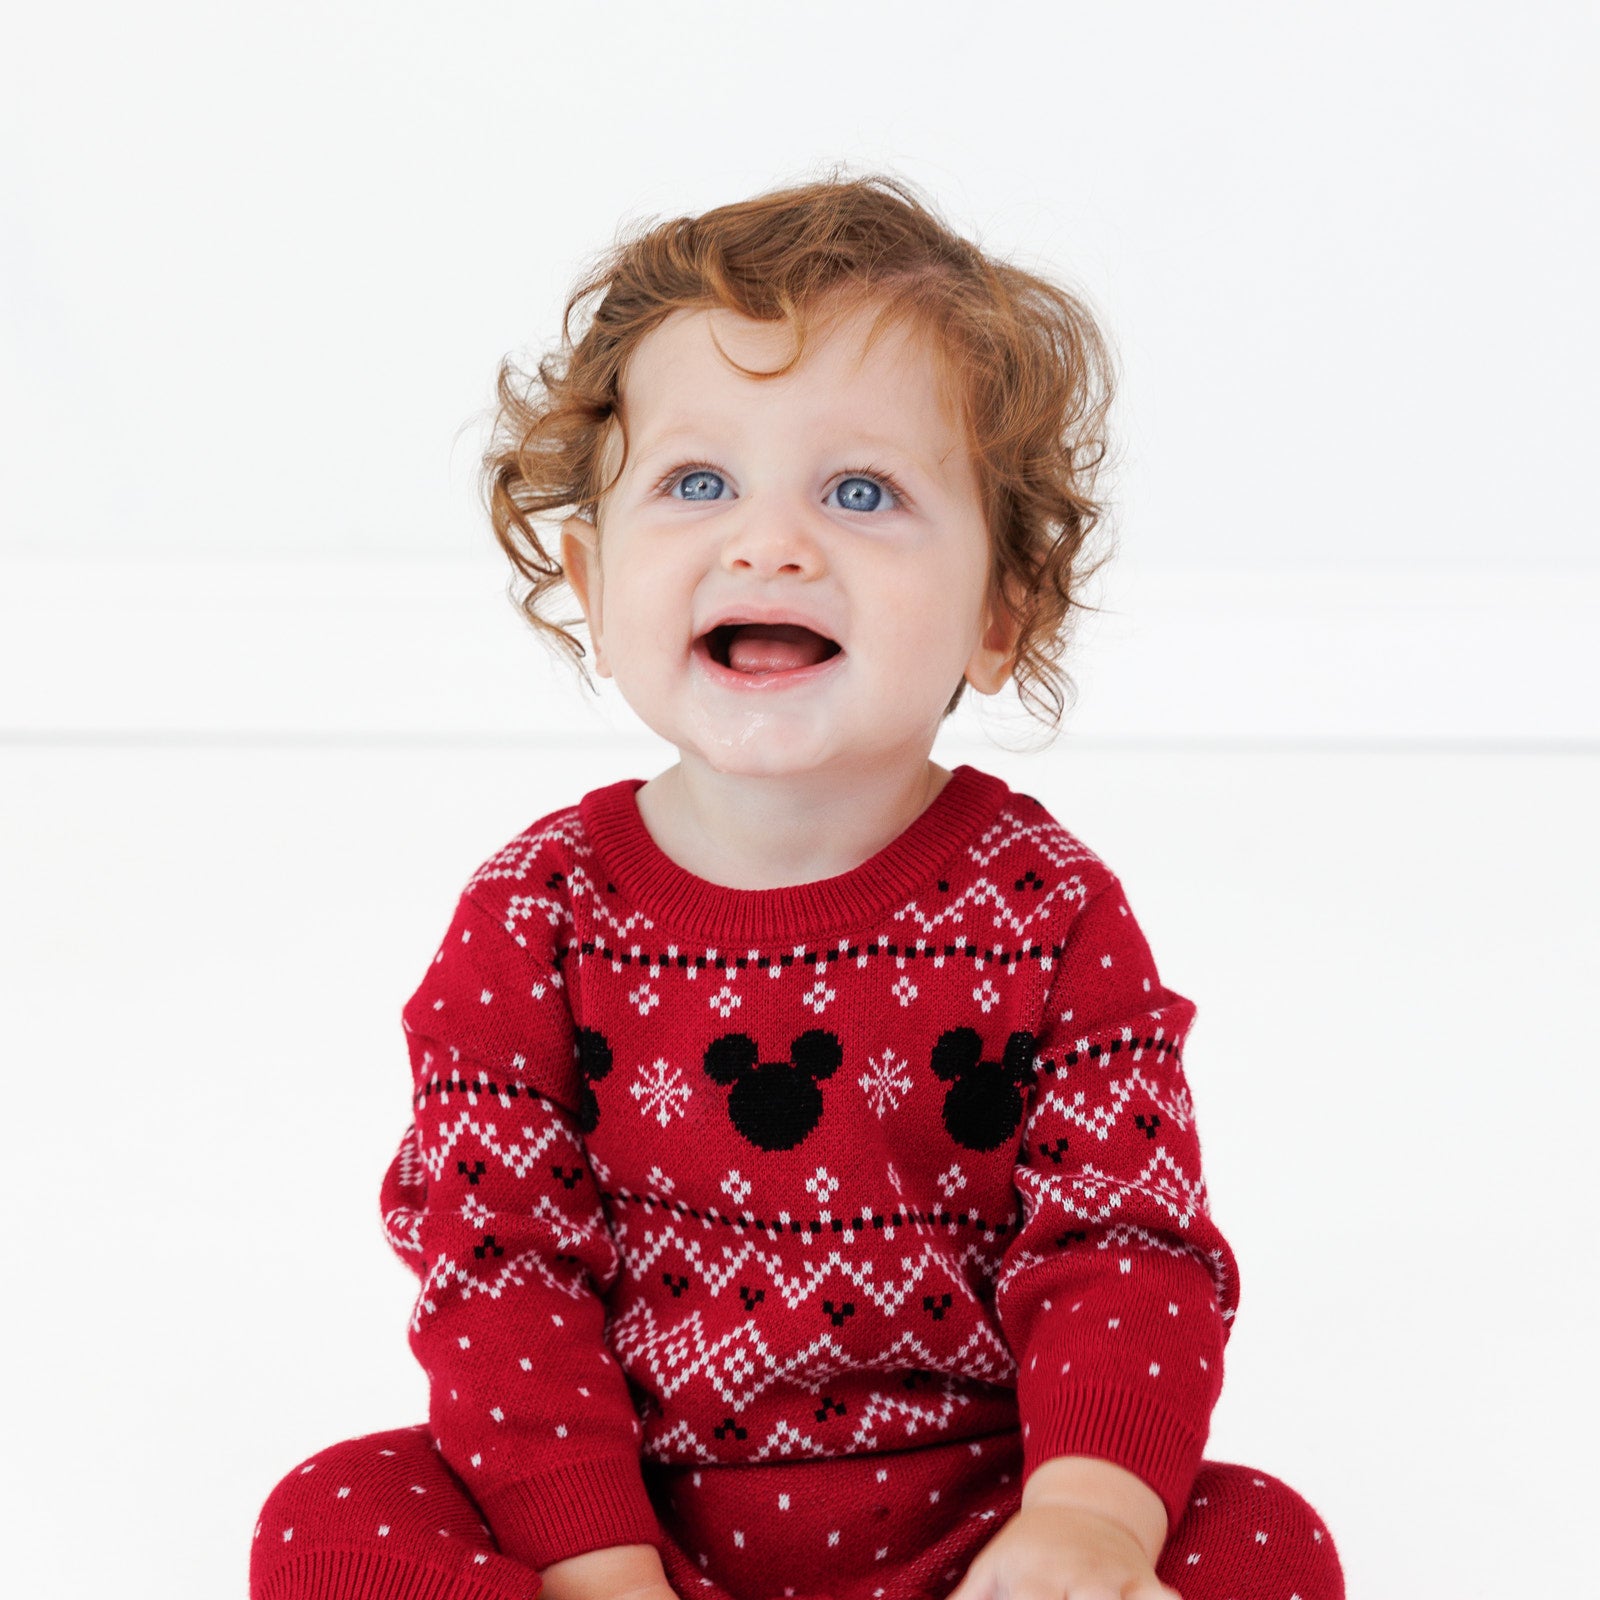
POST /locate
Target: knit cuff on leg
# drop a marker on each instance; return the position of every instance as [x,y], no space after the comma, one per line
[370,1575]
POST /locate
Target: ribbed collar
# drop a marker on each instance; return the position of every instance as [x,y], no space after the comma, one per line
[672,897]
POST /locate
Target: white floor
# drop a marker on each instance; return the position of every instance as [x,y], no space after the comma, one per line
[206,948]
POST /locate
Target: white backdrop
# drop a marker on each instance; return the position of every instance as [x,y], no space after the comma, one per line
[263,703]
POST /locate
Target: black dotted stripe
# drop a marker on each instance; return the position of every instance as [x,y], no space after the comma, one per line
[1096,1052]
[859,1224]
[476,1086]
[814,958]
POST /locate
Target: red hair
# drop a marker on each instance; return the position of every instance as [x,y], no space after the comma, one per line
[1027,369]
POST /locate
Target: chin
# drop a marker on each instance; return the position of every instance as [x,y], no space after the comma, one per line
[750,762]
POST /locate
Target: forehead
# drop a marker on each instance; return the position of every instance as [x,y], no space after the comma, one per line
[681,376]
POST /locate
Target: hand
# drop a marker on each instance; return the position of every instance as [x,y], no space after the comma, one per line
[621,1572]
[1053,1552]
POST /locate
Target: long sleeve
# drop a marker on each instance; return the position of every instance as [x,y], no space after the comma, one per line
[491,1200]
[1117,1293]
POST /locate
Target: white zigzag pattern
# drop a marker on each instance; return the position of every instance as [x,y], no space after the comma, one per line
[519,1158]
[579,881]
[942,1264]
[522,906]
[984,892]
[521,855]
[1079,1193]
[676,1354]
[620,926]
[1101,1119]
[881,1407]
[402,1226]
[1048,837]
[680,1443]
[673,1445]
[525,856]
[410,1160]
[1119,1236]
[786,1442]
[519,1270]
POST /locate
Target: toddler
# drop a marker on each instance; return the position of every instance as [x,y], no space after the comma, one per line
[803,1182]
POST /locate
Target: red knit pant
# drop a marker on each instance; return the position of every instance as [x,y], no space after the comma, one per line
[383,1518]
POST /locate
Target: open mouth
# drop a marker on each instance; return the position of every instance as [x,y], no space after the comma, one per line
[766,649]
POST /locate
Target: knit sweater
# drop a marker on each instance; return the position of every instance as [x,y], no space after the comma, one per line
[902,1160]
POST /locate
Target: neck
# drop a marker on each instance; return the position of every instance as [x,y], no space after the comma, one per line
[753,832]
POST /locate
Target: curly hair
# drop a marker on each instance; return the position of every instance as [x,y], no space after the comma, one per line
[1029,374]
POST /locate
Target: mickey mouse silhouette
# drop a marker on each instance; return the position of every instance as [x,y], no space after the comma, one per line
[984,1104]
[774,1104]
[594,1062]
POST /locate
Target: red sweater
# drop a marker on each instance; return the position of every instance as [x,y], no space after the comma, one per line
[785,1180]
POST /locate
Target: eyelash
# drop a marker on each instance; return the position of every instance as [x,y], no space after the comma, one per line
[888,480]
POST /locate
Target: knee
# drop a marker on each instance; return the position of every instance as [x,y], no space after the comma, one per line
[354,1466]
[1243,1523]
[382,1514]
[1249,1491]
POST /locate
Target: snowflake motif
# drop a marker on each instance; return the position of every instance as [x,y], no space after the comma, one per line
[953,1181]
[724,1001]
[665,1184]
[736,1188]
[818,996]
[905,991]
[885,1082]
[644,997]
[987,996]
[823,1185]
[474,1212]
[660,1088]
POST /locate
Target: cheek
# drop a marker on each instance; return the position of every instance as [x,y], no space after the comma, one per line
[649,607]
[926,638]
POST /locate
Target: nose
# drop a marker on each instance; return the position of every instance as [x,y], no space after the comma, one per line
[769,540]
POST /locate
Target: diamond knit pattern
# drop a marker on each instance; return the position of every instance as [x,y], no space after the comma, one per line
[703,1182]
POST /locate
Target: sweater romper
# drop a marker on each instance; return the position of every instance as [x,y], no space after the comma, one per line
[788,1230]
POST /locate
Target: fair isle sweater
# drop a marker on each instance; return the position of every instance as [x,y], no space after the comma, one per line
[722,1198]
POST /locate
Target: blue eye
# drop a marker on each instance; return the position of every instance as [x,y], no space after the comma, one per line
[702,484]
[860,494]
[862,491]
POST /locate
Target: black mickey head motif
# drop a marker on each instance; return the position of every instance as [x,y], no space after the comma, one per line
[594,1062]
[774,1104]
[984,1104]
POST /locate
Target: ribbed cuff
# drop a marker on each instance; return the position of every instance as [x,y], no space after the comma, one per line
[586,1505]
[1115,1426]
[367,1575]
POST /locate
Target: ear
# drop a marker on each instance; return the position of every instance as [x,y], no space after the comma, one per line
[958,1050]
[991,662]
[817,1053]
[580,561]
[729,1057]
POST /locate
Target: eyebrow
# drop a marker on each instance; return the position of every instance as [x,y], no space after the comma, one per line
[927,467]
[868,442]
